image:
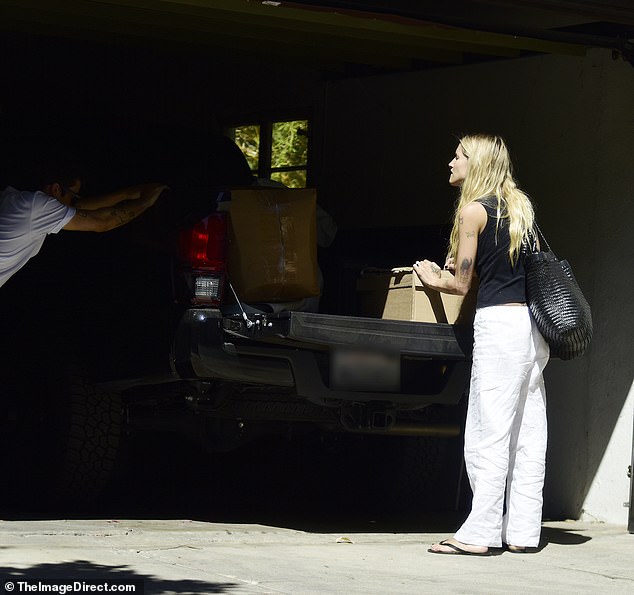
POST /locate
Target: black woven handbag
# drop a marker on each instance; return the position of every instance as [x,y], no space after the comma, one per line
[560,310]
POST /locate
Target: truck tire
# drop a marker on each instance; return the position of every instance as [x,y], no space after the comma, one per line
[92,433]
[423,473]
[64,439]
[422,477]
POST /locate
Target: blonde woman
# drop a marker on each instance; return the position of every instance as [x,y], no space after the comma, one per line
[505,433]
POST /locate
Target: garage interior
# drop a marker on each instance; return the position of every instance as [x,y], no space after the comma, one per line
[387,86]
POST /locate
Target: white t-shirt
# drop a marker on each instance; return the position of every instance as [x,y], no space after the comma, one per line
[25,220]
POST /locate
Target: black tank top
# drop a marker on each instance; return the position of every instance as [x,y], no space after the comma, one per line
[500,281]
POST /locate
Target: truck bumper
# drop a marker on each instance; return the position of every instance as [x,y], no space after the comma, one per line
[200,352]
[209,347]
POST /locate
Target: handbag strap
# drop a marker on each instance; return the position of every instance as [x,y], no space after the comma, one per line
[542,237]
[529,245]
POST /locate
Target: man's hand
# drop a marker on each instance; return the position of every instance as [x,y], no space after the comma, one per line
[151,192]
[450,264]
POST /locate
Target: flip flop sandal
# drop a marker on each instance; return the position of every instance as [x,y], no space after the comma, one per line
[457,551]
[521,550]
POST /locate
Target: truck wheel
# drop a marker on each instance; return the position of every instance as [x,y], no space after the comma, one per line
[423,472]
[64,438]
[92,434]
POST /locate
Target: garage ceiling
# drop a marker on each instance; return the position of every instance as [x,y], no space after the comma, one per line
[340,38]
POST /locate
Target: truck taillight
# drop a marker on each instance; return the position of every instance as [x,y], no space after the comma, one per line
[204,245]
[202,251]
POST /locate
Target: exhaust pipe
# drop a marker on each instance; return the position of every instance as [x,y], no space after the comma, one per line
[379,421]
[421,429]
[411,429]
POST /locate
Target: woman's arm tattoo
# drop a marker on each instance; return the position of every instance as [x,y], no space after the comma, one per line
[465,268]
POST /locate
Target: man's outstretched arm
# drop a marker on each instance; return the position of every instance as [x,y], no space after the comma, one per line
[106,218]
[91,203]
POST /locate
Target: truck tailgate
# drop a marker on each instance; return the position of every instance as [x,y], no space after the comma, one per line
[408,338]
[420,339]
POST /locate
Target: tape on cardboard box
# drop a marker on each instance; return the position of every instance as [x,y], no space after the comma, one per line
[272,244]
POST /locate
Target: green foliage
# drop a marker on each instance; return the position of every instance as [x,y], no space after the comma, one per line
[248,139]
[289,150]
[292,179]
[290,144]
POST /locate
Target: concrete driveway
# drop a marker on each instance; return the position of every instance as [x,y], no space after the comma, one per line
[280,521]
[188,556]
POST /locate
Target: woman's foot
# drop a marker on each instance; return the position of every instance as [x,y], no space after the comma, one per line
[454,547]
[520,549]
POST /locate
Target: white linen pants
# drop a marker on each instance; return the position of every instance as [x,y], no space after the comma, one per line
[505,432]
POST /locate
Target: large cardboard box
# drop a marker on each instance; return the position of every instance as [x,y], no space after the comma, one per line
[272,243]
[398,294]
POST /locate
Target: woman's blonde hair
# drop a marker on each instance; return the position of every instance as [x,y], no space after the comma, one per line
[490,174]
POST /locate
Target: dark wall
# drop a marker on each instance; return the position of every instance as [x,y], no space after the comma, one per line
[124,112]
[110,109]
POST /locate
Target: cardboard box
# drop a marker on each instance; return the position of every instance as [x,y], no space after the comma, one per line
[272,244]
[399,295]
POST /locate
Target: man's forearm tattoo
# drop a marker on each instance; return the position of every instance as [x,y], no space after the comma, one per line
[123,214]
[465,268]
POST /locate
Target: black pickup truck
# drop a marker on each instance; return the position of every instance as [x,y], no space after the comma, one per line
[106,332]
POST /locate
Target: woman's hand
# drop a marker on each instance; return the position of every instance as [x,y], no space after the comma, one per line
[450,264]
[428,272]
